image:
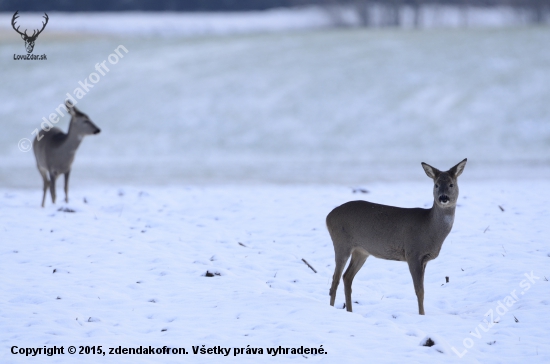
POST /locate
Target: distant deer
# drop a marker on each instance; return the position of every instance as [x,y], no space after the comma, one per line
[412,235]
[55,150]
[29,40]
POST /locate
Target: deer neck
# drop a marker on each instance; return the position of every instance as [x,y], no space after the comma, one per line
[439,226]
[442,218]
[73,139]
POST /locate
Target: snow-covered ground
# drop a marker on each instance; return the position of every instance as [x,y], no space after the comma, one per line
[330,106]
[127,268]
[225,154]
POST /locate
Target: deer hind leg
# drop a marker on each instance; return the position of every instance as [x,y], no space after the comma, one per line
[44,175]
[417,267]
[67,186]
[340,264]
[53,177]
[358,258]
[342,251]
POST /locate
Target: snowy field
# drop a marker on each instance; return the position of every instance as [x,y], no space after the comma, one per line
[224,154]
[326,106]
[127,268]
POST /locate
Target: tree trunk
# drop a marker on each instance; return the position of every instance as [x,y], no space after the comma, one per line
[363,12]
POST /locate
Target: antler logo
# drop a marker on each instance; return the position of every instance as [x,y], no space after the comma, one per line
[29,40]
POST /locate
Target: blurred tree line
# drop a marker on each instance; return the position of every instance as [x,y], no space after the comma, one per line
[538,11]
[535,11]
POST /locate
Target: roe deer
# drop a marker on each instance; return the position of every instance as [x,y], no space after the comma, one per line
[54,151]
[413,235]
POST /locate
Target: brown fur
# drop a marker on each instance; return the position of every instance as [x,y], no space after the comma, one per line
[413,235]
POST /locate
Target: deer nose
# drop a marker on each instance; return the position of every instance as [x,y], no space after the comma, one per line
[444,199]
[97,131]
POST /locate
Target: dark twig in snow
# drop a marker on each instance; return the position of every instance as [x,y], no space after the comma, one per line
[309,265]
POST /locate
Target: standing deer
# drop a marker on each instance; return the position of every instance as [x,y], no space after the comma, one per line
[29,40]
[413,235]
[54,151]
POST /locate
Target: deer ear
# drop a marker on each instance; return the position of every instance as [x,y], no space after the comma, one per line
[70,107]
[457,170]
[430,171]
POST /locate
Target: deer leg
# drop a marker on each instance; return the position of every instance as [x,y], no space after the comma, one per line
[53,177]
[417,268]
[340,264]
[46,185]
[358,257]
[67,186]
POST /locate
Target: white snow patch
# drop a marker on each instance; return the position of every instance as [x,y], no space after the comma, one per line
[135,275]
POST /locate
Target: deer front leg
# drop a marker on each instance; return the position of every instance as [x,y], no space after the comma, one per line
[44,175]
[67,186]
[417,268]
[53,177]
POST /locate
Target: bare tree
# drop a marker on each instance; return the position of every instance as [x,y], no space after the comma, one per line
[417,12]
[465,12]
[391,13]
[335,10]
[538,9]
[363,8]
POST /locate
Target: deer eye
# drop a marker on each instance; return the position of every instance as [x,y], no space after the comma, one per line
[436,186]
[451,185]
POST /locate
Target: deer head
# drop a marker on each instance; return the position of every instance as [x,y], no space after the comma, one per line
[29,40]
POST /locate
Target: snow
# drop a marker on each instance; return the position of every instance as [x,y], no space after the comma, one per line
[282,108]
[225,154]
[127,268]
